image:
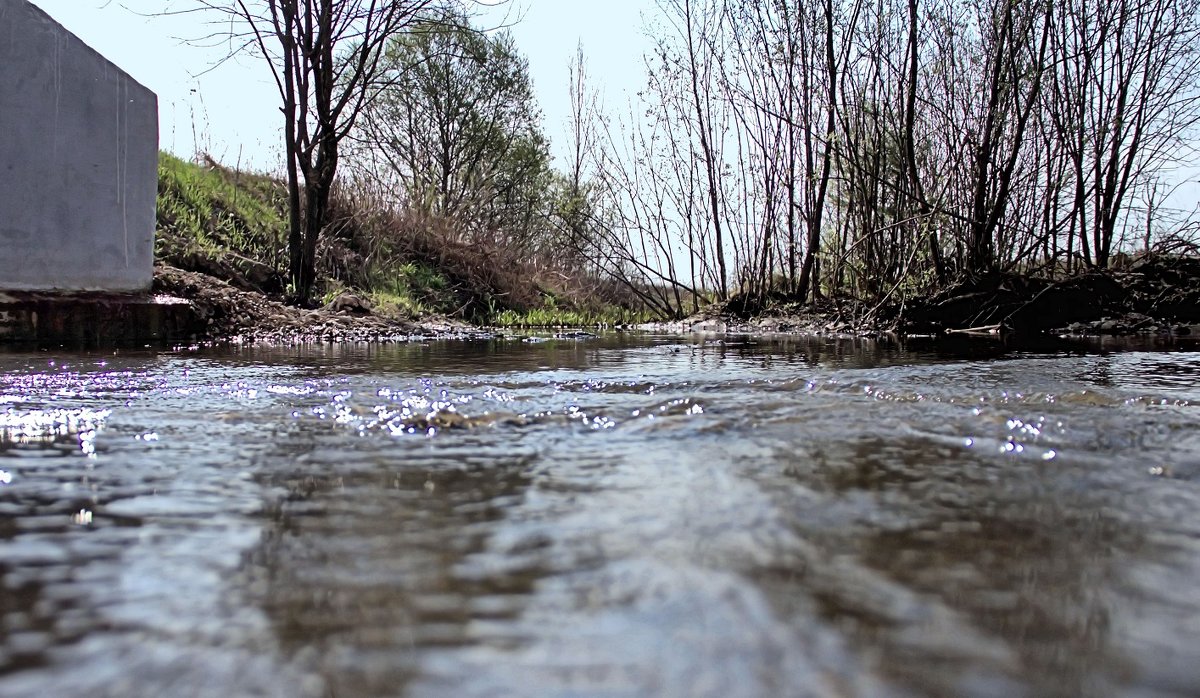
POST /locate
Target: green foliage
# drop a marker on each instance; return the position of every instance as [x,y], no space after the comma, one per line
[408,263]
[235,210]
[547,318]
[460,129]
[550,315]
[412,288]
[228,223]
[333,289]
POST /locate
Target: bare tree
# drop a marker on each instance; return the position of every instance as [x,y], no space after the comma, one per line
[1129,70]
[325,58]
[696,26]
[1013,42]
[582,121]
[882,147]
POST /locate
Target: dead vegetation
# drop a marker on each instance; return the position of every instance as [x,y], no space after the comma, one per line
[227,224]
[1153,293]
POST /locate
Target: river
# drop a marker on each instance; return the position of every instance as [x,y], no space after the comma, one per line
[628,515]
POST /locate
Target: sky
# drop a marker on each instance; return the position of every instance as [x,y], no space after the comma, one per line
[231,111]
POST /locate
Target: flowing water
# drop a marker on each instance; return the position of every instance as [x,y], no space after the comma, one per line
[631,515]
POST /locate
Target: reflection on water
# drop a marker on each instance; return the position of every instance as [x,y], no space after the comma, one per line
[630,515]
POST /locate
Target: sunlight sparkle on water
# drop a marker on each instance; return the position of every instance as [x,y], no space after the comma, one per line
[900,523]
[47,424]
[87,442]
[290,390]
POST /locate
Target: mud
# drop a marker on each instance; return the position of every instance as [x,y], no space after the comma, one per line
[1152,295]
[226,314]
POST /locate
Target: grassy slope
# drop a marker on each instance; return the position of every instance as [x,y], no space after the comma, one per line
[232,225]
[227,224]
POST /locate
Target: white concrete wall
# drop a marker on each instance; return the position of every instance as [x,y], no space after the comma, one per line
[78,162]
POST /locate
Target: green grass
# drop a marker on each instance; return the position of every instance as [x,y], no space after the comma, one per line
[417,288]
[212,210]
[393,304]
[407,289]
[556,312]
[233,225]
[549,317]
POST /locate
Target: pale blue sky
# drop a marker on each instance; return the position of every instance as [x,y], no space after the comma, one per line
[233,111]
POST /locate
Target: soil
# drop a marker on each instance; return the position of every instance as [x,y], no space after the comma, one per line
[1151,295]
[1155,294]
[224,313]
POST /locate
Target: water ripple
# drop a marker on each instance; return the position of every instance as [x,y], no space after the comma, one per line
[619,516]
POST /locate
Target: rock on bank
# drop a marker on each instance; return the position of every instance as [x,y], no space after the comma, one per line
[223,313]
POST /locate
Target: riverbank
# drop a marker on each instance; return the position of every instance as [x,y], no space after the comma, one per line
[1154,296]
[401,264]
[1158,294]
[226,314]
[385,276]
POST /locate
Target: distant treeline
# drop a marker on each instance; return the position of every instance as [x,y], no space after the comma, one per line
[780,149]
[877,147]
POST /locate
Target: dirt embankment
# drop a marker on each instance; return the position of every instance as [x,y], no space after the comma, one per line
[1155,295]
[224,313]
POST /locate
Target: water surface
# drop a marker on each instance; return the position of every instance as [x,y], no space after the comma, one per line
[632,515]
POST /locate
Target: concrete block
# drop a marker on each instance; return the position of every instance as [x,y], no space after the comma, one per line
[78,162]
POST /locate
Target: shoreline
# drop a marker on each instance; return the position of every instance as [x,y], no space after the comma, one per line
[229,315]
[1003,306]
[189,307]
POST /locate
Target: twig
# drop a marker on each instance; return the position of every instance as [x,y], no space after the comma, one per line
[981,330]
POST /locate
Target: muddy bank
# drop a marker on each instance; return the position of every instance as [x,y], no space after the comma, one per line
[1154,295]
[225,314]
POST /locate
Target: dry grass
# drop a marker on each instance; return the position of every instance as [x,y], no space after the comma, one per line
[232,225]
